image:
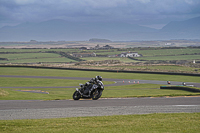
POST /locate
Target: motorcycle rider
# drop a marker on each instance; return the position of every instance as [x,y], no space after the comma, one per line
[94,81]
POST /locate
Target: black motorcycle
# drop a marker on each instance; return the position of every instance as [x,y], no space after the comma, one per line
[92,89]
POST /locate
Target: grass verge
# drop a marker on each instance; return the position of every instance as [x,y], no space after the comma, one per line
[147,123]
[143,90]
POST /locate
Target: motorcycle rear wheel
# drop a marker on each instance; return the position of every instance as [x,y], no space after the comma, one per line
[96,94]
[76,95]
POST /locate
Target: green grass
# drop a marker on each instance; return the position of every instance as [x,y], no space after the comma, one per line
[29,55]
[54,94]
[147,123]
[37,50]
[30,82]
[34,57]
[143,90]
[107,58]
[45,60]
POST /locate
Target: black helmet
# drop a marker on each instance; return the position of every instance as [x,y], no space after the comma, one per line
[99,78]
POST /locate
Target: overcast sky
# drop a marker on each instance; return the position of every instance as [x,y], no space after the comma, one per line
[153,13]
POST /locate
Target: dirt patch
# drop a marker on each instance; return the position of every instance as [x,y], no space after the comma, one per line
[3,92]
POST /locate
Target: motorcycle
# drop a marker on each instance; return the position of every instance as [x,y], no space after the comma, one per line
[89,90]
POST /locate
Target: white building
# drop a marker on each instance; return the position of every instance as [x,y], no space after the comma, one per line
[130,54]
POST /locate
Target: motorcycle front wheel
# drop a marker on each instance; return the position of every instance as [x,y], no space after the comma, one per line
[96,94]
[76,95]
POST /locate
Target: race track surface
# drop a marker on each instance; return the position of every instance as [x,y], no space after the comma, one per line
[36,109]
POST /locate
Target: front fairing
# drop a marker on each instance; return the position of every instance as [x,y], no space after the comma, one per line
[101,85]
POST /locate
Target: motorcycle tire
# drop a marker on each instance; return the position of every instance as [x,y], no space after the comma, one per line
[76,95]
[96,94]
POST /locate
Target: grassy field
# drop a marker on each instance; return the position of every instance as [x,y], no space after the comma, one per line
[159,52]
[177,57]
[38,50]
[154,54]
[147,123]
[148,54]
[133,90]
[52,60]
[28,55]
[34,58]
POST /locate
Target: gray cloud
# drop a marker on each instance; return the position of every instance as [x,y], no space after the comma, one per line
[131,11]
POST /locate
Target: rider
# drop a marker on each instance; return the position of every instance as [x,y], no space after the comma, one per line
[97,80]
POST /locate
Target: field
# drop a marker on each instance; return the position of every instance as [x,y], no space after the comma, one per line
[178,57]
[147,53]
[133,90]
[175,59]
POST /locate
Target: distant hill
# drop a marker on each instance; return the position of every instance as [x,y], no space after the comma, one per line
[189,25]
[56,29]
[99,40]
[188,29]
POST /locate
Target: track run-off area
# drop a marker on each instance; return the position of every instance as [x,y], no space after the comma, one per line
[38,109]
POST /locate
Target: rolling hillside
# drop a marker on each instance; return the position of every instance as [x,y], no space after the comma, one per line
[55,30]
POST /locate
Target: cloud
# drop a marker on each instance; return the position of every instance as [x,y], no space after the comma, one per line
[192,2]
[24,2]
[144,1]
[97,10]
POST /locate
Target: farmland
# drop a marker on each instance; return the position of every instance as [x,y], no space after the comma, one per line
[173,59]
[145,52]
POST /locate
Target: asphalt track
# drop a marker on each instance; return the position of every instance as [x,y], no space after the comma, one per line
[37,109]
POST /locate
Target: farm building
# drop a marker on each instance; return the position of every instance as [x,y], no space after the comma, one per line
[129,54]
[83,48]
[107,47]
[104,47]
[84,55]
